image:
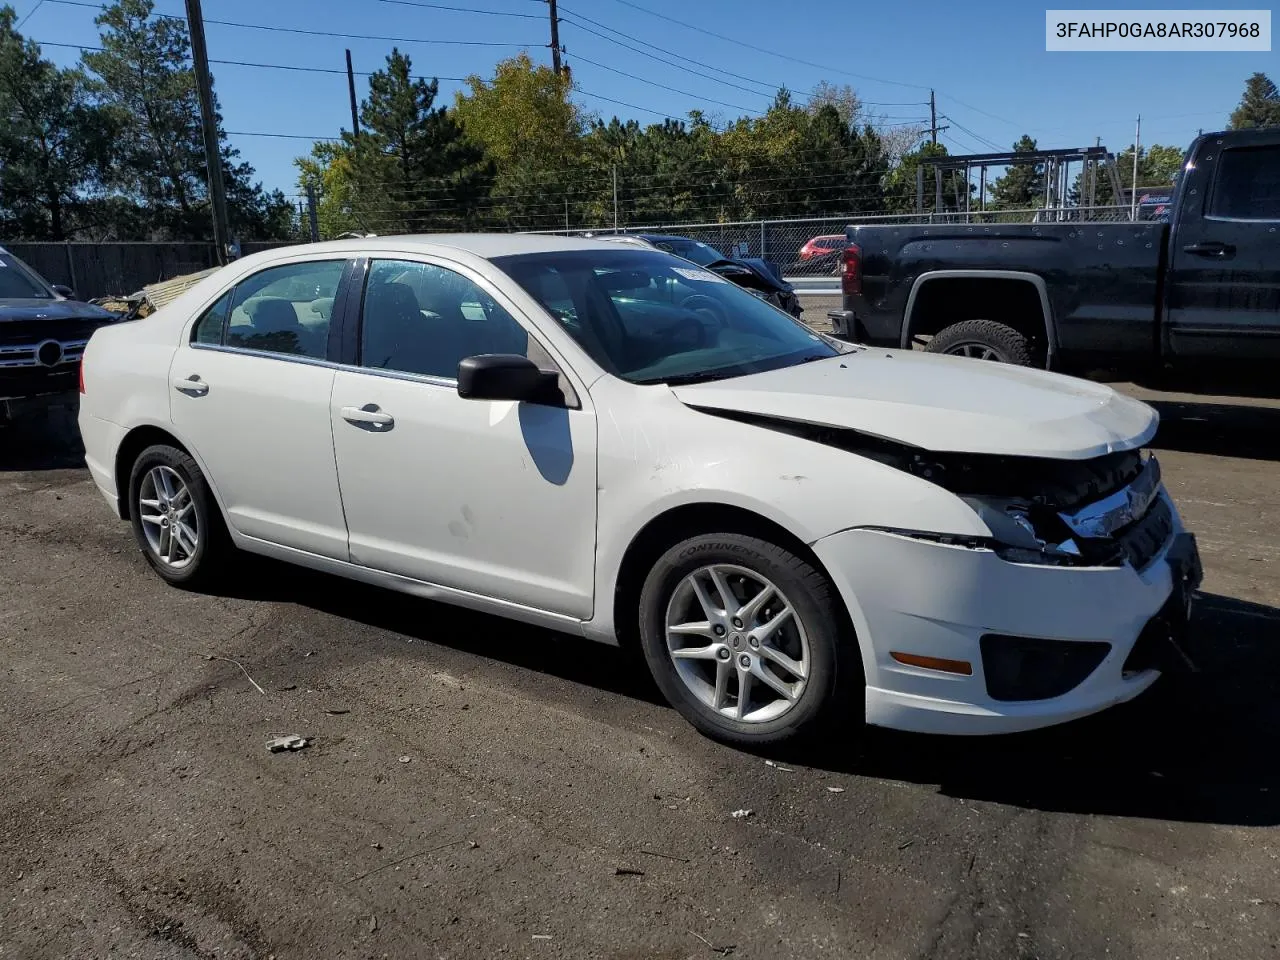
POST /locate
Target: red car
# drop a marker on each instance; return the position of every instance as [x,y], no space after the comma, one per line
[819,246]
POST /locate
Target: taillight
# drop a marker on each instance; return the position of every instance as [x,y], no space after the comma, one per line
[851,270]
[82,374]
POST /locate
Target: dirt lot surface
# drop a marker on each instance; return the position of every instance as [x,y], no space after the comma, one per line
[478,789]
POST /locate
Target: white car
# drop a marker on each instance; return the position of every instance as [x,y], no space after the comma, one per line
[613,442]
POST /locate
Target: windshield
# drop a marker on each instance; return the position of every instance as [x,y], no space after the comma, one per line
[648,317]
[694,250]
[18,282]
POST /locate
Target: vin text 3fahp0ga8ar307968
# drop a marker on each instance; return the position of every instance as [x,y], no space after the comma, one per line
[798,533]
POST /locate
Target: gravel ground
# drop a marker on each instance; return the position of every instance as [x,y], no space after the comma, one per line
[476,788]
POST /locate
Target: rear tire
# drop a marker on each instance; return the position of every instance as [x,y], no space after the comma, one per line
[984,340]
[792,653]
[176,521]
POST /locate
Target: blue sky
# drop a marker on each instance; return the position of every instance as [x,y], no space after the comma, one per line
[985,59]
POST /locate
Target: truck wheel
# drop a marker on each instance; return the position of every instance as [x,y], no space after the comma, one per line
[984,340]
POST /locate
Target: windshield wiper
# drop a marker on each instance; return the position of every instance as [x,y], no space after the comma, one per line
[682,379]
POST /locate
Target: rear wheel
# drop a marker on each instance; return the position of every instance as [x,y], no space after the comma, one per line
[176,521]
[984,340]
[743,639]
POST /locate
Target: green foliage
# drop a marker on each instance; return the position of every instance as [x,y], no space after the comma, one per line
[1158,165]
[54,147]
[114,150]
[1022,186]
[1260,105]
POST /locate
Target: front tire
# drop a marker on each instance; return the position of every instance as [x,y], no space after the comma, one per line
[984,340]
[743,639]
[175,519]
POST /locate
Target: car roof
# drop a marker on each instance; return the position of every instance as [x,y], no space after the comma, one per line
[484,245]
[662,236]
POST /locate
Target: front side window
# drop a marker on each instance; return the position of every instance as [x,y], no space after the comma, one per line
[424,319]
[1247,184]
[649,317]
[283,309]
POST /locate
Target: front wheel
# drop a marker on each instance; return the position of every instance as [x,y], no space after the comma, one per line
[984,340]
[743,639]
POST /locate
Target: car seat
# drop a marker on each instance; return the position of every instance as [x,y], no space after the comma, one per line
[276,328]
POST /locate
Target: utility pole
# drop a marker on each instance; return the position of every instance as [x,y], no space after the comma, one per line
[351,91]
[1133,187]
[312,216]
[933,118]
[615,198]
[555,37]
[208,123]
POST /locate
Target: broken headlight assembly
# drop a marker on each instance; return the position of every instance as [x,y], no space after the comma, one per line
[1023,532]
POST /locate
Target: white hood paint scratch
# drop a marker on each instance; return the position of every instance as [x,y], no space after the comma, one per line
[940,403]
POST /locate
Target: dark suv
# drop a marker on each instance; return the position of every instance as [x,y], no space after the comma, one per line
[43,332]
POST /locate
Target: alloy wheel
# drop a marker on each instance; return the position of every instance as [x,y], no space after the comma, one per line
[168,517]
[737,643]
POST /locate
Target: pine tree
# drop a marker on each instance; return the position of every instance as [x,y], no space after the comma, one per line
[414,156]
[1260,105]
[54,145]
[1022,185]
[143,79]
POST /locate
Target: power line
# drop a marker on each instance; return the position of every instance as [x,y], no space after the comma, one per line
[32,13]
[655,83]
[766,50]
[313,33]
[443,6]
[248,63]
[980,139]
[765,93]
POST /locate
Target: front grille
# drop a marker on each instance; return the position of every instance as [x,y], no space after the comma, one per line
[44,353]
[1143,539]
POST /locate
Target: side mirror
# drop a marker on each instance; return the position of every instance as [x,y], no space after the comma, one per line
[63,290]
[505,376]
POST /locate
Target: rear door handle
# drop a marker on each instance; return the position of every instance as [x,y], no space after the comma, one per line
[1210,248]
[192,386]
[368,416]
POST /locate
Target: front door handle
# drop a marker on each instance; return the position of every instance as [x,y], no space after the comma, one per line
[192,386]
[368,416]
[1210,248]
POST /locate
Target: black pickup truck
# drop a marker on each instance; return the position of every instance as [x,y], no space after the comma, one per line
[43,332]
[1199,291]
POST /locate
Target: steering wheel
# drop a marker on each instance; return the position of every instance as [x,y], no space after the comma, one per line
[706,306]
[701,337]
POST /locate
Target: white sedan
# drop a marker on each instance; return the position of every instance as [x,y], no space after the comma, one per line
[613,442]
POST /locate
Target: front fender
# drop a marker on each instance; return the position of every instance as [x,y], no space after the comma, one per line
[656,455]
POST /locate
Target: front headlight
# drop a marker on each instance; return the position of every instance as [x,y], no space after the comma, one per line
[1022,537]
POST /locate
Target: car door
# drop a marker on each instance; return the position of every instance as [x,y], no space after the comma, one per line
[250,390]
[493,498]
[1223,289]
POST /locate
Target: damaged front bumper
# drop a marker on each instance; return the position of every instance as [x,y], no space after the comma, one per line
[1020,646]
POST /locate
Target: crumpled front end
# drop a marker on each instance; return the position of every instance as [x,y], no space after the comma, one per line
[1075,602]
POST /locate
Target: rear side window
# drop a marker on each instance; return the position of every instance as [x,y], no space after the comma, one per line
[1247,184]
[285,309]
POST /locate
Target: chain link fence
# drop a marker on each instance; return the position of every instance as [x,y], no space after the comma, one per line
[810,247]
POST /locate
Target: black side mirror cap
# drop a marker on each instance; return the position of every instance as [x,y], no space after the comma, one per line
[63,290]
[506,376]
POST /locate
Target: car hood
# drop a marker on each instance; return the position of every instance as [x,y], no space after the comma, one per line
[940,403]
[11,310]
[764,271]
